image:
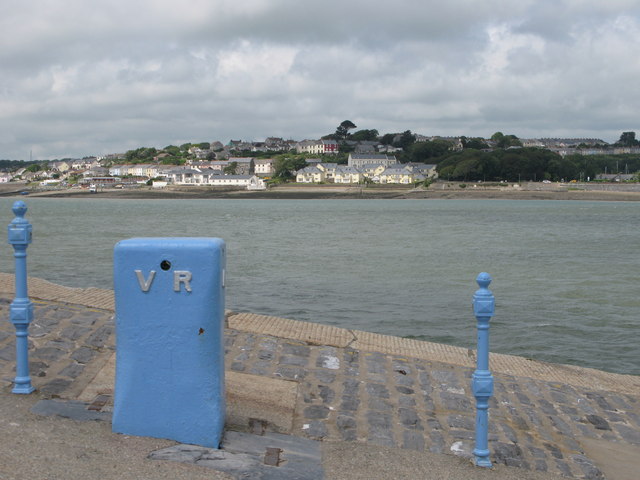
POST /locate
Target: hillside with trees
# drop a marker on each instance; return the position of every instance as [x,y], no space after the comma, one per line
[501,157]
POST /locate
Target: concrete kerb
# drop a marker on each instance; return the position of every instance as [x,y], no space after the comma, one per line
[366,341]
[317,334]
[45,290]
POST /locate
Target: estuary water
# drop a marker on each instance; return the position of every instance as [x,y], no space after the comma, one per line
[565,273]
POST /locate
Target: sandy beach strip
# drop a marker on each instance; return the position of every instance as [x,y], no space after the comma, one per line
[297,191]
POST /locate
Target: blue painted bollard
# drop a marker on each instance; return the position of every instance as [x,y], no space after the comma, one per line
[482,383]
[21,309]
[169,296]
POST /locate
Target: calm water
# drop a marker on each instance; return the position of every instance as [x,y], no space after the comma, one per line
[565,273]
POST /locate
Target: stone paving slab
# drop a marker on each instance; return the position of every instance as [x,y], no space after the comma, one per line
[333,336]
[398,401]
[274,399]
[380,398]
[268,457]
[317,334]
[68,345]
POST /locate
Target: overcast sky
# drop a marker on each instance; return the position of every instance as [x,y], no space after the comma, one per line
[88,78]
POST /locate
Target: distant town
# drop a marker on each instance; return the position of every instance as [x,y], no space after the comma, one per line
[361,158]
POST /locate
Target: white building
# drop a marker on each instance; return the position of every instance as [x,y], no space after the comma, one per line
[194,176]
[264,166]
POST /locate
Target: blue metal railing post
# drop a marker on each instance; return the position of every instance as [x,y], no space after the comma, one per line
[482,383]
[21,310]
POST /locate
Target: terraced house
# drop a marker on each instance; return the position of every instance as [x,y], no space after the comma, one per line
[346,174]
[317,172]
[403,174]
[317,147]
[310,174]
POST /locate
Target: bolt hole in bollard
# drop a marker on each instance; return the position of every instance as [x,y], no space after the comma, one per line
[21,309]
[482,380]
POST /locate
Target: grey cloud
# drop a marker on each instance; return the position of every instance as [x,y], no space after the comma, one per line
[83,78]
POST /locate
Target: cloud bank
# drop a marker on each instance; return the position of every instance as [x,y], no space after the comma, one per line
[84,78]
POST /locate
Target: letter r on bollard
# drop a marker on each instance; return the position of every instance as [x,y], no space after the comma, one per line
[181,278]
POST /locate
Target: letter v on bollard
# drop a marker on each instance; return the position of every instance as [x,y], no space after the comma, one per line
[21,309]
[482,383]
[169,296]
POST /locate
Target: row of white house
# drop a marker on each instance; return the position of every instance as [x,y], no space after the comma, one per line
[166,175]
[405,174]
[212,178]
[247,172]
[242,166]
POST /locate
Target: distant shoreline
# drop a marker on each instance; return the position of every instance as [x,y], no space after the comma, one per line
[304,192]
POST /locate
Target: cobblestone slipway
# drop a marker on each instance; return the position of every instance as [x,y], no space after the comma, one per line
[359,387]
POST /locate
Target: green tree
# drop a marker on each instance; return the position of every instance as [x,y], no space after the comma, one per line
[231,169]
[204,145]
[141,155]
[470,164]
[366,181]
[562,169]
[628,139]
[497,137]
[406,140]
[285,168]
[466,169]
[592,165]
[172,150]
[173,161]
[426,151]
[342,132]
[512,165]
[387,138]
[364,135]
[476,143]
[505,141]
[8,165]
[461,165]
[514,141]
[33,168]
